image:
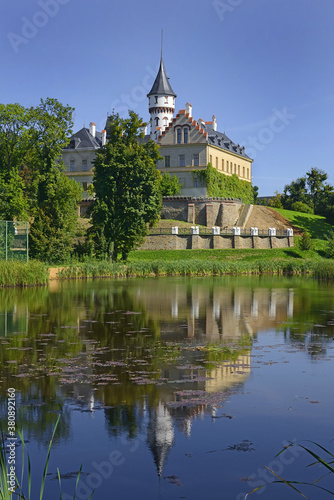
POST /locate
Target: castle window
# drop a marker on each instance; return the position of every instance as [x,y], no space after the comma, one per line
[156,99]
[166,99]
[182,160]
[211,159]
[179,136]
[84,164]
[247,173]
[165,121]
[223,165]
[217,162]
[185,135]
[196,160]
[235,168]
[239,170]
[72,165]
[167,161]
[84,186]
[196,181]
[243,171]
[156,121]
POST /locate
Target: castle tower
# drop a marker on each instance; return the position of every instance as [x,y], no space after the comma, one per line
[161,103]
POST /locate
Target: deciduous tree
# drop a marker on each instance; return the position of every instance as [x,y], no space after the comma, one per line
[126,185]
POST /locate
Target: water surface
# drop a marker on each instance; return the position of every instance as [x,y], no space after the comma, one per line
[170,388]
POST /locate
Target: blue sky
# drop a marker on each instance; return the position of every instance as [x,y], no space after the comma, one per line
[264,67]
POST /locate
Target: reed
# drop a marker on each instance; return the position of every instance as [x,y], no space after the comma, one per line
[16,273]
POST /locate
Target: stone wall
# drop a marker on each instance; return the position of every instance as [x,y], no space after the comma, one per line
[206,241]
[222,212]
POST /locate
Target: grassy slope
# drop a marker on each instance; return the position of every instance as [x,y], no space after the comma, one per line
[314,224]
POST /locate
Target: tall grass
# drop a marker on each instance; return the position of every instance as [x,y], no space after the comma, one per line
[326,462]
[15,273]
[193,267]
[6,493]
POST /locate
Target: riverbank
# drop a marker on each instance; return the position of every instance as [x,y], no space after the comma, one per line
[289,261]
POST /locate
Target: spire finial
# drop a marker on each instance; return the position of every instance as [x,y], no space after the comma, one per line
[162,41]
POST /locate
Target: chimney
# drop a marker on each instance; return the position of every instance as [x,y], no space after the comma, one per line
[104,137]
[214,123]
[201,122]
[189,109]
[92,129]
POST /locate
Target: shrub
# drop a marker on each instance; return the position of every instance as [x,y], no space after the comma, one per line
[299,206]
[305,242]
[330,244]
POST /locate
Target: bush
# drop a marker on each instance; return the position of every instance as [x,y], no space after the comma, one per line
[330,244]
[299,206]
[305,242]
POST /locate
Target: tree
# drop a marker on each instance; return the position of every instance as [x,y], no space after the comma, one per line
[296,191]
[170,185]
[126,185]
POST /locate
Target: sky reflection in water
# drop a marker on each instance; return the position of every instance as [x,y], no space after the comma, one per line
[170,388]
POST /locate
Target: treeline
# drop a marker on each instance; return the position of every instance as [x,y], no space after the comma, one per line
[309,194]
[32,184]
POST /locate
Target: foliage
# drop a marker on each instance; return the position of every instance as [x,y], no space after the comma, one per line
[326,462]
[330,244]
[170,185]
[6,493]
[126,184]
[53,230]
[14,273]
[313,191]
[305,242]
[221,185]
[276,201]
[32,185]
[299,206]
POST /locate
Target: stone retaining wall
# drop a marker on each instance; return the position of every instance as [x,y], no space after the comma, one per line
[194,241]
[222,212]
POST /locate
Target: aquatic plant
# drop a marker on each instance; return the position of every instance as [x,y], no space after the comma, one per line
[326,462]
[15,273]
[6,492]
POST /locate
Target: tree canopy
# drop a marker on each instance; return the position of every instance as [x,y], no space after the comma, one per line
[32,185]
[127,190]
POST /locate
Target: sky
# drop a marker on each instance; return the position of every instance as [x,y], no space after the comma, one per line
[264,68]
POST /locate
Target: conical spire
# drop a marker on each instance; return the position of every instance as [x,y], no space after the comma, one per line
[161,85]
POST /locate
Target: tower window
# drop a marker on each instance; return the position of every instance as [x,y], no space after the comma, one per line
[185,135]
[179,136]
[84,186]
[156,121]
[156,99]
[166,99]
[165,121]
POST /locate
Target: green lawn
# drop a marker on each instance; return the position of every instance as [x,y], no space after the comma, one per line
[314,224]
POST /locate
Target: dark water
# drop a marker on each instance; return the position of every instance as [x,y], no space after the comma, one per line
[170,388]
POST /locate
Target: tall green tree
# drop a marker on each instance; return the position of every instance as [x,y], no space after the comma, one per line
[170,185]
[126,185]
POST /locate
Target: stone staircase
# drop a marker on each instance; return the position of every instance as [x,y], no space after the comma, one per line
[244,215]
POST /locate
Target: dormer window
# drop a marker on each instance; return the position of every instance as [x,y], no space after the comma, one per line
[185,136]
[179,136]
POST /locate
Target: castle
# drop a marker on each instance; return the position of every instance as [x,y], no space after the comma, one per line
[186,145]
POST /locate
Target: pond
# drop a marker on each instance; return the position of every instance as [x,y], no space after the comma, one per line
[170,388]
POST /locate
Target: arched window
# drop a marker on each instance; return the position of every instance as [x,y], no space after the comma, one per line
[185,135]
[165,121]
[156,121]
[179,136]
